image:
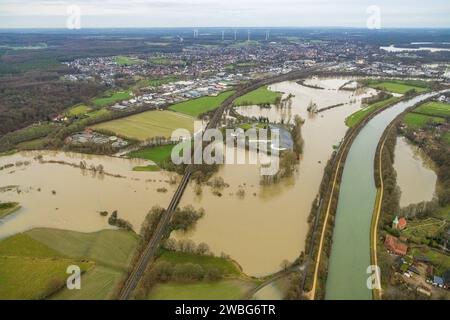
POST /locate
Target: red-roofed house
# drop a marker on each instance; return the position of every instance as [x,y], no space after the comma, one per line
[395,246]
[401,223]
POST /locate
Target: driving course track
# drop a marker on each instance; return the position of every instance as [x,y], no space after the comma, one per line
[150,250]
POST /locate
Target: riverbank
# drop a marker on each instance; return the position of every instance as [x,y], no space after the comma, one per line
[327,227]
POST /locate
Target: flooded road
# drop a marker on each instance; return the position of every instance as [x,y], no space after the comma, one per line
[415,175]
[65,197]
[270,224]
[350,253]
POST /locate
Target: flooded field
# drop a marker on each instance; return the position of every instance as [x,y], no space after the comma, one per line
[59,195]
[259,229]
[269,224]
[415,175]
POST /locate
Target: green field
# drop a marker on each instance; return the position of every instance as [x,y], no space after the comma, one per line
[112,98]
[157,154]
[31,270]
[148,124]
[397,86]
[259,96]
[28,133]
[443,213]
[416,121]
[359,115]
[220,290]
[111,248]
[439,260]
[78,110]
[98,113]
[35,144]
[419,231]
[33,264]
[201,105]
[149,168]
[97,284]
[155,82]
[127,61]
[433,108]
[225,265]
[7,208]
[446,138]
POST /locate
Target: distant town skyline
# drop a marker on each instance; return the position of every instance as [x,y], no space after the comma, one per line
[231,13]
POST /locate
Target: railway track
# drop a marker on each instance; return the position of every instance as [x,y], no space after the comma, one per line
[150,250]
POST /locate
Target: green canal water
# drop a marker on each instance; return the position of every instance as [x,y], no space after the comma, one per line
[350,253]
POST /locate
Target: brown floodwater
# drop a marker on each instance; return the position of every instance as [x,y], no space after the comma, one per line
[79,194]
[259,230]
[415,175]
[270,223]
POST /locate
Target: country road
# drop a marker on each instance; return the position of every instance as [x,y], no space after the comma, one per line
[150,250]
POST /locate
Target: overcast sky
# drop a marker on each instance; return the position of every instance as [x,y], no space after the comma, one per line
[232,13]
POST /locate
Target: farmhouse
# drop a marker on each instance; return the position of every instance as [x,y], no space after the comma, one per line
[393,245]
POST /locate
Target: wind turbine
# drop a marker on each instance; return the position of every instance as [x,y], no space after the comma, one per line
[248,35]
[235,35]
[267,35]
[223,35]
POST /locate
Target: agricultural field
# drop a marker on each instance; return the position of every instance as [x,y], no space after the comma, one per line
[230,289]
[157,154]
[110,250]
[433,108]
[148,124]
[196,107]
[112,98]
[420,231]
[127,61]
[7,208]
[32,270]
[78,110]
[259,96]
[417,121]
[224,265]
[359,115]
[398,86]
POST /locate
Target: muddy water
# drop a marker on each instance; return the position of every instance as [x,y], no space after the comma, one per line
[270,223]
[269,292]
[79,194]
[415,175]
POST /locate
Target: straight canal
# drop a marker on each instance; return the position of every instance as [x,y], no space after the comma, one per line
[350,253]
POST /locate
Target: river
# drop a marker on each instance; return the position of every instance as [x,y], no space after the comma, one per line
[270,224]
[350,253]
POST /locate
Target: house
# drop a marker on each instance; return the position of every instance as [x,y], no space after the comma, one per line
[394,246]
[399,224]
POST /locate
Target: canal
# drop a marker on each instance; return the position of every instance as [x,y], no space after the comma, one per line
[350,253]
